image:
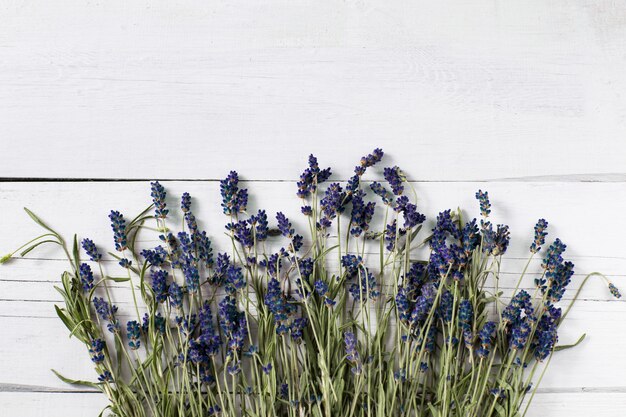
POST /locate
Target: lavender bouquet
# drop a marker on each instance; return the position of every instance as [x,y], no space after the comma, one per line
[348,322]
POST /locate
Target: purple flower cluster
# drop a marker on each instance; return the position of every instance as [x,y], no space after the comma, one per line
[362,213]
[546,333]
[158,198]
[134,332]
[234,200]
[107,311]
[233,323]
[91,250]
[311,177]
[394,177]
[558,273]
[486,335]
[86,276]
[352,354]
[540,235]
[118,224]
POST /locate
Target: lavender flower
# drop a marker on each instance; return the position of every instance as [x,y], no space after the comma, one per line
[234,279]
[546,333]
[361,214]
[383,193]
[158,198]
[96,350]
[176,295]
[394,177]
[540,235]
[485,335]
[156,256]
[234,200]
[86,277]
[118,224]
[132,328]
[91,250]
[105,377]
[297,328]
[485,205]
[614,291]
[352,355]
[311,177]
[107,311]
[159,285]
[260,223]
[185,202]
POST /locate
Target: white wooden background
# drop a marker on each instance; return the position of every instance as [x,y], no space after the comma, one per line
[526,99]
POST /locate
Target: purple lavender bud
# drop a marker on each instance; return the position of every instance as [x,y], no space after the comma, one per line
[485,205]
[96,350]
[159,285]
[118,224]
[132,328]
[86,277]
[394,177]
[540,235]
[91,250]
[185,203]
[158,198]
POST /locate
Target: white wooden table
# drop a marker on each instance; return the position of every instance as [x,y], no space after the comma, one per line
[526,99]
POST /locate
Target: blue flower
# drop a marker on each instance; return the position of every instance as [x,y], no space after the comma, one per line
[297,328]
[125,263]
[241,232]
[486,334]
[260,223]
[383,193]
[540,235]
[521,301]
[234,279]
[394,177]
[105,377]
[86,277]
[485,205]
[156,256]
[331,204]
[352,355]
[118,224]
[412,217]
[107,311]
[306,210]
[132,328]
[234,200]
[176,295]
[159,285]
[519,335]
[546,332]
[185,202]
[91,250]
[284,225]
[267,368]
[158,198]
[311,177]
[361,214]
[96,350]
[276,302]
[321,287]
[614,291]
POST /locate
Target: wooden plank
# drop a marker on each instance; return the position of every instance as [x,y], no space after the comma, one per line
[489,91]
[27,404]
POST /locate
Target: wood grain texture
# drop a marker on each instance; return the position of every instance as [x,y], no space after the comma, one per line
[452,90]
[522,98]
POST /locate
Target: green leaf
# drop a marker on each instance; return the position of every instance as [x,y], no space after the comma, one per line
[39,221]
[77,381]
[64,318]
[564,347]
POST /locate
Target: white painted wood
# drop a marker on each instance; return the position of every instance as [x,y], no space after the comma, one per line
[455,92]
[452,91]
